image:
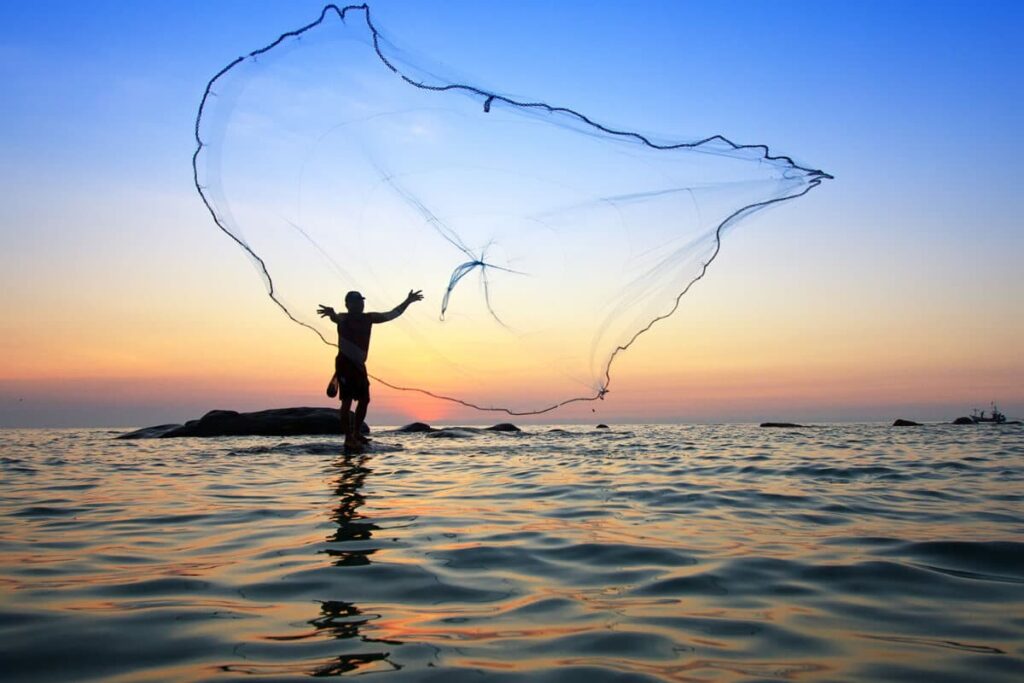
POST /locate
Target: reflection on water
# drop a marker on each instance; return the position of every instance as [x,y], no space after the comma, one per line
[339,619]
[352,472]
[649,553]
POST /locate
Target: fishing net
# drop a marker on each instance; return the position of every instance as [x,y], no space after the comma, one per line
[546,242]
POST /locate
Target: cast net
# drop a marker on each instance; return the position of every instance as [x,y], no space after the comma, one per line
[546,242]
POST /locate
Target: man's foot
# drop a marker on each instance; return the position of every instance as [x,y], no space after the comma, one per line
[353,445]
[362,439]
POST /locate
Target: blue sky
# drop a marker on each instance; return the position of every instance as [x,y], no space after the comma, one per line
[914,107]
[897,89]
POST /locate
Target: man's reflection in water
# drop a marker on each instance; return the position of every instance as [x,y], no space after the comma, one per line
[338,619]
[352,472]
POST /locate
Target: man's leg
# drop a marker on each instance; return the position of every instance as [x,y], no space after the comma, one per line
[346,407]
[357,428]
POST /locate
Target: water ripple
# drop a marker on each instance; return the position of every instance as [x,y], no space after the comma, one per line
[640,553]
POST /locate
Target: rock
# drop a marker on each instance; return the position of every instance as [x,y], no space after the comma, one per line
[452,433]
[602,426]
[963,421]
[504,427]
[276,422]
[415,427]
[905,423]
[782,425]
[150,432]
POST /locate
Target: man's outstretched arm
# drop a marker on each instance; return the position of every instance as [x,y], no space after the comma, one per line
[399,309]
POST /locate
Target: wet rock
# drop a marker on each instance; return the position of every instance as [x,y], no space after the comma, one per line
[154,432]
[452,433]
[602,426]
[781,425]
[275,422]
[415,428]
[963,421]
[905,423]
[504,427]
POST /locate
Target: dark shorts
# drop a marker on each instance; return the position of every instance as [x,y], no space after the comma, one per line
[353,384]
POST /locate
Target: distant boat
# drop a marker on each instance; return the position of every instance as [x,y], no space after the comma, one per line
[996,417]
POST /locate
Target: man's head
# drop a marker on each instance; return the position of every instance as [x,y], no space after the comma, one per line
[354,302]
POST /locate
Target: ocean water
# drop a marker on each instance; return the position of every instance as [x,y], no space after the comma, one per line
[641,553]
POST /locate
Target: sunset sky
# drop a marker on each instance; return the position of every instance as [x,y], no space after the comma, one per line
[892,291]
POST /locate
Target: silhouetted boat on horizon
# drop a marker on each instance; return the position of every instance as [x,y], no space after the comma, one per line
[997,417]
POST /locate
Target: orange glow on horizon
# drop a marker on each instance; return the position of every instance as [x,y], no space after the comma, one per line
[720,356]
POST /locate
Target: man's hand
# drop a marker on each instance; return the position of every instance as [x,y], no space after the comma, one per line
[326,311]
[414,296]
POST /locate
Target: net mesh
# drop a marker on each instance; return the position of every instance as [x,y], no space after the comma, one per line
[545,241]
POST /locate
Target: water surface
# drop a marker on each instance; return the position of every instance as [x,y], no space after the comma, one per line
[640,553]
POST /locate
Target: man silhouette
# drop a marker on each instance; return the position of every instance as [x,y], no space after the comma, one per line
[350,365]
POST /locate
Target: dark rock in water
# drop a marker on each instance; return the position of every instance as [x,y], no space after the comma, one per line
[415,427]
[276,422]
[504,427]
[602,426]
[963,421]
[452,433]
[905,423]
[781,425]
[150,432]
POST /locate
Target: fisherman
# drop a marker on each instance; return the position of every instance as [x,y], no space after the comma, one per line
[350,379]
